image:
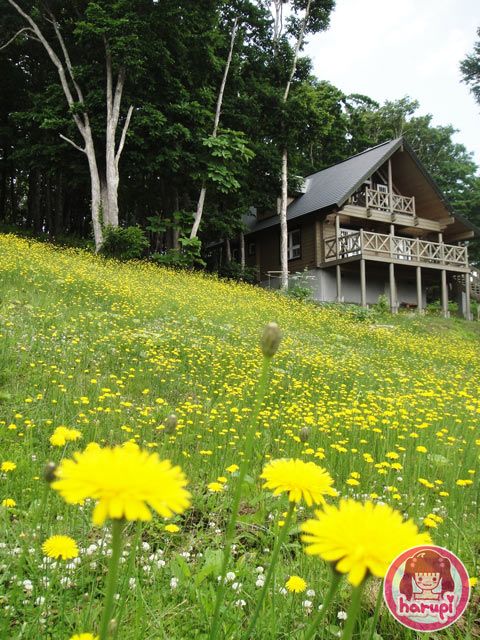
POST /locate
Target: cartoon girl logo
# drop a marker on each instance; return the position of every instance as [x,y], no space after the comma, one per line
[430,573]
[426,588]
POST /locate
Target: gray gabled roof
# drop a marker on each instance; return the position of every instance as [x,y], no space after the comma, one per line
[333,186]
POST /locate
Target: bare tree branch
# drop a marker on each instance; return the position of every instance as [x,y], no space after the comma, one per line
[108,65]
[73,143]
[66,56]
[4,46]
[56,61]
[118,96]
[124,134]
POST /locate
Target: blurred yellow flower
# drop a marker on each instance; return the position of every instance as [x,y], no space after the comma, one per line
[60,547]
[360,538]
[232,468]
[84,636]
[8,466]
[172,528]
[62,435]
[301,480]
[8,503]
[215,487]
[124,481]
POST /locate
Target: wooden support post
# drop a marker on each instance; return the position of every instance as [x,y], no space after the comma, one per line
[444,294]
[419,291]
[393,289]
[337,235]
[442,248]
[390,186]
[393,286]
[339,284]
[468,313]
[363,284]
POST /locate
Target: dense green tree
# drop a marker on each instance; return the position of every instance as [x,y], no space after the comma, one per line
[470,68]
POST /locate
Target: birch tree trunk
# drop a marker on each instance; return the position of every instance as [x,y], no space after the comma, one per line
[241,242]
[283,224]
[203,191]
[104,187]
[284,187]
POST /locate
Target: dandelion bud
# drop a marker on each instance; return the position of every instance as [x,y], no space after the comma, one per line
[270,339]
[304,433]
[49,472]
[171,422]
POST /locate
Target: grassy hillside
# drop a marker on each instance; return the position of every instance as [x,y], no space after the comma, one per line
[389,406]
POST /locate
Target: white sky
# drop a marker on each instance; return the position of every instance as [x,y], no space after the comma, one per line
[387,49]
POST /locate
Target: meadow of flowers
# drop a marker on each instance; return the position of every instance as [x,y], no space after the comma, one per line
[166,473]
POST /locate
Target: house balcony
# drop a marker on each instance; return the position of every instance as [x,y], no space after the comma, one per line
[375,200]
[356,245]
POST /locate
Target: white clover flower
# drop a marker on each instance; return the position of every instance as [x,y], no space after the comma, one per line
[236,586]
[240,603]
[173,583]
[311,593]
[342,615]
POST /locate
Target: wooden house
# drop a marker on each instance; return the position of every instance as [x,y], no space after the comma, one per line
[375,224]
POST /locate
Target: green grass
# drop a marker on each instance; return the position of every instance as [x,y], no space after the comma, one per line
[112,349]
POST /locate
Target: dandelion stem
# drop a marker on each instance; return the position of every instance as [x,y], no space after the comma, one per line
[377,611]
[271,569]
[230,533]
[352,612]
[334,584]
[112,577]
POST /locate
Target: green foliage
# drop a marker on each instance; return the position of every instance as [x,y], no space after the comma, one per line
[470,68]
[188,256]
[124,243]
[228,154]
[235,271]
[383,304]
[298,287]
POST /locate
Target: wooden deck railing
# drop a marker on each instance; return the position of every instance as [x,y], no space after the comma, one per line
[393,203]
[378,245]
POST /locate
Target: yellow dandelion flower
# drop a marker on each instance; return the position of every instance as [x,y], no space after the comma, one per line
[232,468]
[172,528]
[421,449]
[360,538]
[124,481]
[473,581]
[295,584]
[84,636]
[299,479]
[9,503]
[430,522]
[215,487]
[8,466]
[392,455]
[60,547]
[62,435]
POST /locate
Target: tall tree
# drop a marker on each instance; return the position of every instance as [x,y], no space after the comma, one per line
[470,68]
[113,28]
[308,16]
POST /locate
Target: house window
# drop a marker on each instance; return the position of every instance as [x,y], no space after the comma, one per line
[251,248]
[382,188]
[294,244]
